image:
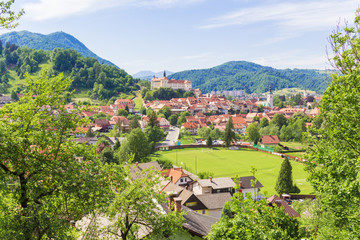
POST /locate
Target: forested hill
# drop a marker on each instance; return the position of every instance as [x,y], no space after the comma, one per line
[49,42]
[251,77]
[99,81]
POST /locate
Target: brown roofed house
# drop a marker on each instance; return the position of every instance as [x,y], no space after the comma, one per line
[275,200]
[269,141]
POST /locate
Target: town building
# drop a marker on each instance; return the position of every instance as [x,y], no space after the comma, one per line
[164,82]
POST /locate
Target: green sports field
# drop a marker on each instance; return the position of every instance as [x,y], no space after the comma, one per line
[229,163]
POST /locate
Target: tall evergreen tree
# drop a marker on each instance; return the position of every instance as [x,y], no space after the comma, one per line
[209,141]
[229,135]
[284,183]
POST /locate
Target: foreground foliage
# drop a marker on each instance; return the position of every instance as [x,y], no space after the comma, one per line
[334,166]
[249,219]
[47,180]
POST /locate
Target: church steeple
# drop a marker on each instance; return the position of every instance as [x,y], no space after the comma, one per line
[270,98]
[164,74]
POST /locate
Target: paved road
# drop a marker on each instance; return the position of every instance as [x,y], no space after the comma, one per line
[172,137]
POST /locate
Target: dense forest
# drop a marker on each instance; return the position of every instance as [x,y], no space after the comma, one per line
[103,81]
[49,42]
[251,77]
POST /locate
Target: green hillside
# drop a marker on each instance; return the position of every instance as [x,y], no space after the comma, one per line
[251,77]
[49,42]
[91,80]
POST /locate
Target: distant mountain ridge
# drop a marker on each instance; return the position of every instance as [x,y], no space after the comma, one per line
[148,75]
[251,77]
[49,42]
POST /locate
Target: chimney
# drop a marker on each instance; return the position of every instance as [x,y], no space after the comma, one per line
[177,204]
[171,178]
[171,196]
[240,184]
[210,178]
[137,163]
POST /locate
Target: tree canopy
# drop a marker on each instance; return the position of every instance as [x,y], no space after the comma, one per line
[47,179]
[334,157]
[250,219]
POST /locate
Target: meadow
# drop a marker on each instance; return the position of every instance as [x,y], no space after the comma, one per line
[231,163]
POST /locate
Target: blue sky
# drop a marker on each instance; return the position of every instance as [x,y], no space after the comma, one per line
[191,34]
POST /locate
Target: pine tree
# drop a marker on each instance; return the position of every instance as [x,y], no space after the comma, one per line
[116,145]
[284,183]
[14,96]
[229,135]
[209,141]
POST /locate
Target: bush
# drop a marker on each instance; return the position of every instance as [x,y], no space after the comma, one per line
[165,164]
[205,174]
[278,148]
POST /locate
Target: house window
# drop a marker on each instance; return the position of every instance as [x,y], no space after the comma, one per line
[191,204]
[203,211]
[181,180]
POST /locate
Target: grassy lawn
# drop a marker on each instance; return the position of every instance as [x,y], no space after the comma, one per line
[294,145]
[189,140]
[286,91]
[229,163]
[297,154]
[138,101]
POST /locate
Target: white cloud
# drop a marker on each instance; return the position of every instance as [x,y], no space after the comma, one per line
[41,10]
[292,58]
[48,9]
[301,16]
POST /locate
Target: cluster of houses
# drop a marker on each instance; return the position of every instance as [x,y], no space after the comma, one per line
[202,109]
[203,199]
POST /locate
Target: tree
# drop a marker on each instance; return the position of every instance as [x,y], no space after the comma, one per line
[134,123]
[166,111]
[264,122]
[229,134]
[14,96]
[173,119]
[334,157]
[152,122]
[260,108]
[204,132]
[136,144]
[216,134]
[209,141]
[165,163]
[107,155]
[116,145]
[253,133]
[89,133]
[279,120]
[127,108]
[182,118]
[8,18]
[122,112]
[284,183]
[46,178]
[143,110]
[277,102]
[139,205]
[251,219]
[154,134]
[205,175]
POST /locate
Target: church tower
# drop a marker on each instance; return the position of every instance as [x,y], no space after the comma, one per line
[270,98]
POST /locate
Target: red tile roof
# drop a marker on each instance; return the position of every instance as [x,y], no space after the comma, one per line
[174,173]
[270,139]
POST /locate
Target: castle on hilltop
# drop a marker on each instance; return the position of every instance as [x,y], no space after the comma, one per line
[164,82]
